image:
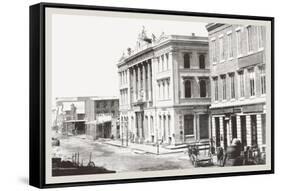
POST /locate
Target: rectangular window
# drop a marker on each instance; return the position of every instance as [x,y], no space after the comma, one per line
[158,63]
[250,38]
[261,36]
[252,82]
[159,91]
[223,78]
[186,60]
[168,89]
[230,45]
[162,63]
[221,48]
[167,61]
[232,86]
[151,125]
[202,61]
[262,80]
[216,89]
[213,49]
[239,42]
[241,84]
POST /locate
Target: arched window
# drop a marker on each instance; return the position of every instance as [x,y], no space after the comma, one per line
[202,61]
[203,91]
[187,89]
[186,60]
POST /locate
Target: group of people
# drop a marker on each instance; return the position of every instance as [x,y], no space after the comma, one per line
[235,155]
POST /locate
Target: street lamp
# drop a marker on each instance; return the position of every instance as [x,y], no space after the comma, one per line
[126,123]
[122,123]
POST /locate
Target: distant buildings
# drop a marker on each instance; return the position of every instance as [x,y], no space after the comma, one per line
[70,117]
[238,65]
[97,117]
[165,90]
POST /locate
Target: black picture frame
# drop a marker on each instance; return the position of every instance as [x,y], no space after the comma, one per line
[38,90]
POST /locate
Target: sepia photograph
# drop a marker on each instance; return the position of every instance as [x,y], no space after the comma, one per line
[136,95]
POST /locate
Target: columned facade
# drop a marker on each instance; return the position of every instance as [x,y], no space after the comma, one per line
[156,109]
[238,85]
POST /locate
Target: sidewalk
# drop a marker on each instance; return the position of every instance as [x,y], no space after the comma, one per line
[143,148]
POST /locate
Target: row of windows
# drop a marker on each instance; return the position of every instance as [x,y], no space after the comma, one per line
[241,83]
[187,60]
[164,89]
[163,62]
[124,96]
[103,104]
[223,47]
[123,77]
[188,88]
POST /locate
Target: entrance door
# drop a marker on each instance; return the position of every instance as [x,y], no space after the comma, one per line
[225,133]
[254,130]
[217,131]
[188,125]
[107,130]
[140,132]
[233,127]
[243,131]
[204,126]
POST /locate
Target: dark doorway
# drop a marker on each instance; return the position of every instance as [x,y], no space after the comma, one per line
[188,125]
[263,127]
[204,126]
[243,131]
[217,131]
[233,127]
[254,130]
[225,132]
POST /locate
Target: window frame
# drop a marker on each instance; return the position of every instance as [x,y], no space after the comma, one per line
[185,89]
[184,60]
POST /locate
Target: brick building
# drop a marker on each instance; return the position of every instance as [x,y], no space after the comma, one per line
[238,64]
[165,89]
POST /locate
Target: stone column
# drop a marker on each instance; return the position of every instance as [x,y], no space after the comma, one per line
[160,90]
[134,84]
[139,82]
[167,89]
[182,90]
[129,87]
[144,82]
[259,130]
[149,81]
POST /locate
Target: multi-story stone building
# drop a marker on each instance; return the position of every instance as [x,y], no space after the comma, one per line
[237,62]
[165,89]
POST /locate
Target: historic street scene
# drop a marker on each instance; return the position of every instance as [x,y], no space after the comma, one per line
[182,101]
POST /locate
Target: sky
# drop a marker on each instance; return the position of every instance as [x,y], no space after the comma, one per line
[86,48]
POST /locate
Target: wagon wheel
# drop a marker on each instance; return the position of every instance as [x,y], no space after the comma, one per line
[195,163]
